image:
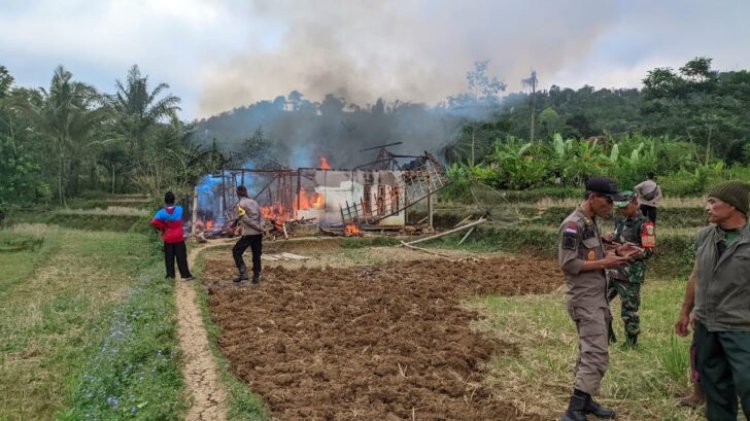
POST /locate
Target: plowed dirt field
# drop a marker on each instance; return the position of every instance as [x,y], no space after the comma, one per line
[385,342]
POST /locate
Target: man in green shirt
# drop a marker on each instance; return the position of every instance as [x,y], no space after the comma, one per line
[718,294]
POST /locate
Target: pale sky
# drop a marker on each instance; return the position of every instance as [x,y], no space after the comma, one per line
[220,54]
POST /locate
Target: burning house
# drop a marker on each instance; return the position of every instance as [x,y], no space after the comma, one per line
[373,196]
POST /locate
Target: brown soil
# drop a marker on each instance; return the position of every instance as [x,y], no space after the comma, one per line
[387,342]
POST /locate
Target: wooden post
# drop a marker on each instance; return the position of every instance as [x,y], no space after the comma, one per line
[429,209]
[195,210]
[299,188]
[223,190]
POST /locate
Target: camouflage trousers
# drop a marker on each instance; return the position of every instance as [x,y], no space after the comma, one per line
[630,298]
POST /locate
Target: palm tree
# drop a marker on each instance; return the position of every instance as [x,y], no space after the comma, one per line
[67,114]
[138,110]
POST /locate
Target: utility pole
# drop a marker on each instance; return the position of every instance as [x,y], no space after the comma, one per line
[532,81]
[473,129]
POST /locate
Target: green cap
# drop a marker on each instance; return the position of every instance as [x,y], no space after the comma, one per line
[735,193]
[629,196]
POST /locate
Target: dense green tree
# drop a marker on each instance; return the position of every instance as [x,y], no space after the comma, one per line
[138,110]
[699,104]
[67,114]
[19,171]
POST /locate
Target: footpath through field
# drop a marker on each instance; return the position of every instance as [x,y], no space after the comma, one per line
[199,369]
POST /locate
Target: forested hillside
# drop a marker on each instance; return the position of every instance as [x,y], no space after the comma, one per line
[67,139]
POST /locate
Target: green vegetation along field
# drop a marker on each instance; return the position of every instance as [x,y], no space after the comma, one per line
[86,327]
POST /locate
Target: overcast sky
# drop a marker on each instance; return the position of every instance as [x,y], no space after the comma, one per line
[220,54]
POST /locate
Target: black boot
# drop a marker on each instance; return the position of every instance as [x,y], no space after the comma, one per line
[598,410]
[631,342]
[611,332]
[576,408]
[242,276]
[256,277]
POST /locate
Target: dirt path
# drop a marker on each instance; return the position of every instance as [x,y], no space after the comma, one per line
[200,372]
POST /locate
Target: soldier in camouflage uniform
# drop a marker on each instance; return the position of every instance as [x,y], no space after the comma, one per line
[631,227]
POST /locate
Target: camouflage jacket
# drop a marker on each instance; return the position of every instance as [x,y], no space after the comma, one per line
[632,230]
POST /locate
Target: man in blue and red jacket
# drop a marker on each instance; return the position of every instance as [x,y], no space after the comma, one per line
[168,220]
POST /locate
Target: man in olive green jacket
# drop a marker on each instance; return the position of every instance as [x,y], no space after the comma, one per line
[718,294]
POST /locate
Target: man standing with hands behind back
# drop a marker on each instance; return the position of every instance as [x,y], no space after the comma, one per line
[584,261]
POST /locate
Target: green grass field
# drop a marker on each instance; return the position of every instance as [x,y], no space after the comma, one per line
[641,384]
[78,312]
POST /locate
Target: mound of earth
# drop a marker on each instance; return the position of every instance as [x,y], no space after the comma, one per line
[388,342]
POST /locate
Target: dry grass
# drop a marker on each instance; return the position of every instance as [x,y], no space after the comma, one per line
[328,253]
[36,230]
[667,202]
[111,210]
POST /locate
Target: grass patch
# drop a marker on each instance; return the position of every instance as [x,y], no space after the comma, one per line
[109,211]
[243,404]
[57,319]
[119,220]
[134,371]
[640,384]
[362,242]
[100,222]
[19,242]
[22,249]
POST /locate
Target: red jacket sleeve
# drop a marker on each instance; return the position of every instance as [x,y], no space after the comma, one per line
[158,224]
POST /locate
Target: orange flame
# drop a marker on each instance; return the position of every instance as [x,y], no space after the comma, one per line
[279,212]
[312,200]
[317,201]
[351,229]
[209,224]
[274,212]
[324,165]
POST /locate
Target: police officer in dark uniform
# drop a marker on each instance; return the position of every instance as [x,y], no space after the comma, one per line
[584,261]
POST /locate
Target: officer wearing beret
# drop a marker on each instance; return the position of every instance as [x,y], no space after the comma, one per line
[584,261]
[718,294]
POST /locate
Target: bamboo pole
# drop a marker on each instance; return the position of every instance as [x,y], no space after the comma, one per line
[463,221]
[443,234]
[468,233]
[424,250]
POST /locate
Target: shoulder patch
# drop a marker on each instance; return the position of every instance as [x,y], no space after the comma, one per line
[569,240]
[648,235]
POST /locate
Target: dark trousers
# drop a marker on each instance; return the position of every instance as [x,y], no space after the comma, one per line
[723,360]
[255,242]
[177,251]
[649,212]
